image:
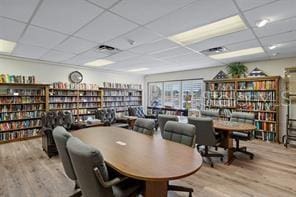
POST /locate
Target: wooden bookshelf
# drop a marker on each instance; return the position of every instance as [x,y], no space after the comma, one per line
[21,106]
[259,95]
[81,103]
[121,96]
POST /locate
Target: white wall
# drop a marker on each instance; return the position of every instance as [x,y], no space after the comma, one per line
[271,68]
[49,72]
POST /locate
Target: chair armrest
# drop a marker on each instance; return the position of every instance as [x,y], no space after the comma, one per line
[150,116]
[46,131]
[112,182]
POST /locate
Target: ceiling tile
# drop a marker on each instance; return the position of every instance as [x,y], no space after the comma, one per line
[144,11]
[18,9]
[279,38]
[157,46]
[243,45]
[223,40]
[283,48]
[138,36]
[75,45]
[104,3]
[106,27]
[65,16]
[122,56]
[194,15]
[28,51]
[250,4]
[172,53]
[85,57]
[276,11]
[249,58]
[56,56]
[41,37]
[276,27]
[10,29]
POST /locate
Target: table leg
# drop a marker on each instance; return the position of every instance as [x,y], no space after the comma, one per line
[156,189]
[230,155]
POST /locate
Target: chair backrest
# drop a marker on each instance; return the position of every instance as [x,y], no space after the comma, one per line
[243,117]
[180,132]
[60,118]
[210,114]
[61,136]
[145,126]
[136,111]
[205,133]
[50,120]
[106,115]
[68,120]
[162,120]
[85,158]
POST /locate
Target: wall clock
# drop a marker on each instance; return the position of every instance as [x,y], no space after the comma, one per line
[75,77]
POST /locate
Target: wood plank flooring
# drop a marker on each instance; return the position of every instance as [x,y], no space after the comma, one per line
[26,171]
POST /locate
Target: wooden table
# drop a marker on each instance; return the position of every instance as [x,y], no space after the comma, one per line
[227,127]
[143,157]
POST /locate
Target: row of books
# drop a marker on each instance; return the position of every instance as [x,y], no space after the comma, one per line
[121,104]
[257,85]
[264,106]
[19,115]
[220,86]
[73,99]
[119,99]
[73,105]
[266,116]
[121,93]
[219,95]
[21,100]
[19,125]
[220,103]
[17,108]
[7,136]
[266,136]
[7,78]
[73,86]
[21,92]
[266,126]
[122,85]
[258,96]
[88,93]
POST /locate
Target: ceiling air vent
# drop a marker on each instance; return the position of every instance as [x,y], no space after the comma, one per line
[214,50]
[108,50]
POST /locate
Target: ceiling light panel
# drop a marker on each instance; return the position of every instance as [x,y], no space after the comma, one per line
[138,69]
[99,62]
[262,23]
[239,53]
[219,28]
[6,46]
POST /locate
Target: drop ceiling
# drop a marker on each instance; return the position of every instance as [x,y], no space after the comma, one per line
[68,31]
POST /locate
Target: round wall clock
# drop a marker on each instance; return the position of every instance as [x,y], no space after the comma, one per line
[75,77]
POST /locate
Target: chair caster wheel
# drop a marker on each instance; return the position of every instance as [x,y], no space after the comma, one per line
[221,159]
[212,165]
[251,157]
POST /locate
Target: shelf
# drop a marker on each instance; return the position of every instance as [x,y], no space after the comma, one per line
[19,139]
[256,101]
[19,129]
[265,131]
[242,90]
[220,90]
[22,96]
[64,89]
[22,103]
[220,99]
[222,107]
[22,119]
[268,121]
[128,89]
[25,84]
[23,111]
[257,111]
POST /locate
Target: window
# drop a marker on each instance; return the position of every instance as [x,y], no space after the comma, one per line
[155,94]
[172,92]
[186,94]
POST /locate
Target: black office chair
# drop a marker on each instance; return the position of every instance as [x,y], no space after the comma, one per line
[245,136]
[206,136]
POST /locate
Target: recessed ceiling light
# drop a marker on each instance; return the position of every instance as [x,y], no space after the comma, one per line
[238,53]
[6,46]
[99,62]
[272,47]
[219,28]
[262,23]
[275,54]
[138,69]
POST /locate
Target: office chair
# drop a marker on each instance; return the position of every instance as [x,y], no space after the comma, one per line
[184,134]
[93,175]
[145,126]
[245,136]
[206,135]
[163,119]
[210,114]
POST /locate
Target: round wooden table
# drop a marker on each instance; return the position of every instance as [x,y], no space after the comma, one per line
[142,157]
[227,127]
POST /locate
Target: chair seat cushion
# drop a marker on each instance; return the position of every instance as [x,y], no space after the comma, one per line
[241,135]
[126,188]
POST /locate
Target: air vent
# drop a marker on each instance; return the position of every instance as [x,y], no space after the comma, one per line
[108,50]
[214,50]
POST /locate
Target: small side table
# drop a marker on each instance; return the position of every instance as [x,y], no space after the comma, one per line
[131,121]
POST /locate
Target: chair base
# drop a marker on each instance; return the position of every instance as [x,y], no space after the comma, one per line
[180,189]
[77,194]
[244,150]
[209,156]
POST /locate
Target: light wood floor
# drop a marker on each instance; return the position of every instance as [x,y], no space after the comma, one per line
[25,171]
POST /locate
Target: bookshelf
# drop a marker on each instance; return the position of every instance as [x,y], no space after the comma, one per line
[80,99]
[259,95]
[21,106]
[121,96]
